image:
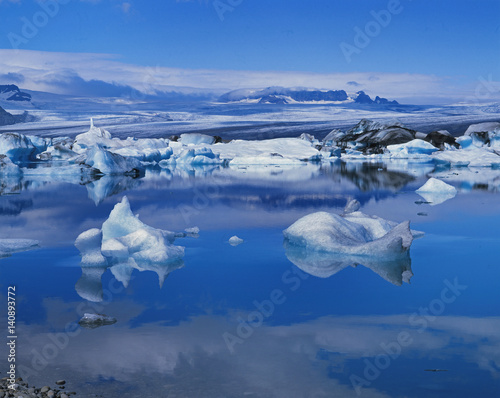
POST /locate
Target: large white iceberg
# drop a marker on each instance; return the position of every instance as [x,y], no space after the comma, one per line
[353,233]
[323,244]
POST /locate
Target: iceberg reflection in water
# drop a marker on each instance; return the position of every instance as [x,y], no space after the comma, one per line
[394,269]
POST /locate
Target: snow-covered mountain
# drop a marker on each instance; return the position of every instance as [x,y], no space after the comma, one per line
[10,92]
[282,95]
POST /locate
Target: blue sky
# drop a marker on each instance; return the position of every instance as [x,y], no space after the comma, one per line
[452,43]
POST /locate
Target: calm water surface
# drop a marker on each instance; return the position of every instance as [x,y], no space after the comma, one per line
[246,321]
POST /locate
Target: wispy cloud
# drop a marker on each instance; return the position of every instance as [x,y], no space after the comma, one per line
[77,69]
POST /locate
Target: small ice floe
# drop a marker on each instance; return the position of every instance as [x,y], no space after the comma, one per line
[323,243]
[92,321]
[11,246]
[235,241]
[192,230]
[436,191]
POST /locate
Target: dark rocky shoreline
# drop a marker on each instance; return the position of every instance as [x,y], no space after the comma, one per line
[23,390]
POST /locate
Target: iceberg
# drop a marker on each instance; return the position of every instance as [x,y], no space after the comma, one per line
[106,162]
[416,148]
[322,244]
[352,233]
[17,147]
[196,139]
[436,191]
[125,243]
[484,134]
[7,168]
[235,241]
[92,321]
[198,156]
[11,246]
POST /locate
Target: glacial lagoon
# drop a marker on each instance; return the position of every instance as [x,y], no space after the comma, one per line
[254,319]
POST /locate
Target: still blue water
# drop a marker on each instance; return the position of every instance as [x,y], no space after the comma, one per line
[245,321]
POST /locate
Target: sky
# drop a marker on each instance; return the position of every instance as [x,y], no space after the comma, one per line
[402,49]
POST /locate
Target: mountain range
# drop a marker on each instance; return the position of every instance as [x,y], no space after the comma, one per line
[282,95]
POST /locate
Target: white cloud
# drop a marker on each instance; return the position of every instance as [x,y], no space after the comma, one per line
[36,66]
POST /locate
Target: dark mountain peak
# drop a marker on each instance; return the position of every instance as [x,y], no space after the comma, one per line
[15,93]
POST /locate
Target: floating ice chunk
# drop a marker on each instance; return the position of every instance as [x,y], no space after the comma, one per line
[92,321]
[126,243]
[471,157]
[89,244]
[235,241]
[435,185]
[192,230]
[267,159]
[413,148]
[198,156]
[143,243]
[11,246]
[353,234]
[352,206]
[464,142]
[196,139]
[484,134]
[17,147]
[290,150]
[7,168]
[111,163]
[436,191]
[121,221]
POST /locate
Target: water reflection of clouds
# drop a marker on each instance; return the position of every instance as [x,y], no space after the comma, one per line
[277,361]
